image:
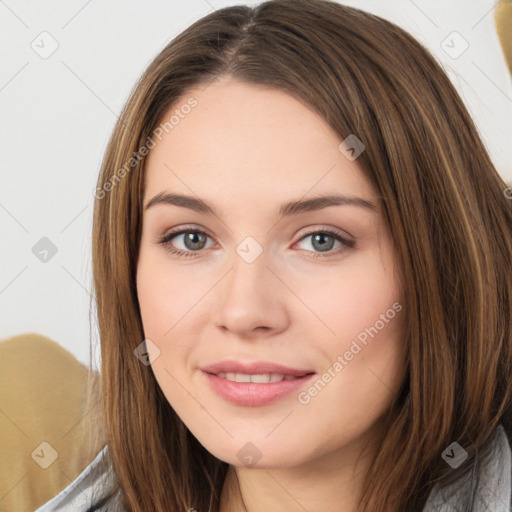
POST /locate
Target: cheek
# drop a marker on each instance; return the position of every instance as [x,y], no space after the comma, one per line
[165,296]
[347,299]
[364,369]
[153,300]
[361,341]
[170,302]
[161,300]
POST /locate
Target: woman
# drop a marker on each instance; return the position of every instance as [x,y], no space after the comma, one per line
[301,256]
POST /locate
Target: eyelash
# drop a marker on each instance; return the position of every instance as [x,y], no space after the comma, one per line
[191,254]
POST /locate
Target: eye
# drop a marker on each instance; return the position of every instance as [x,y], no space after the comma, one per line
[324,240]
[194,240]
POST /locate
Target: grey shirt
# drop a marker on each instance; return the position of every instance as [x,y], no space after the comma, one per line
[493,493]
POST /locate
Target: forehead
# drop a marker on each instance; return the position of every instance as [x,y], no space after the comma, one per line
[246,141]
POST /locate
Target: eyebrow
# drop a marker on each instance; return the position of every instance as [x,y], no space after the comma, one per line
[286,209]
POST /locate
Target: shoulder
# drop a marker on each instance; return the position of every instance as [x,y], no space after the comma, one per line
[493,484]
[86,490]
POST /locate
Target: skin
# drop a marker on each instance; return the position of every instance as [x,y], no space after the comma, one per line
[247,149]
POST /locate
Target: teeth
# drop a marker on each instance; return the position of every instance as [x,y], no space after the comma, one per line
[262,378]
[238,377]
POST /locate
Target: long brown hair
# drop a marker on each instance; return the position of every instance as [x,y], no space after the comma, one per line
[444,205]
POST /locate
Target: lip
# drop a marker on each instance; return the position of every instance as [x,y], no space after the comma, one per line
[255,368]
[253,394]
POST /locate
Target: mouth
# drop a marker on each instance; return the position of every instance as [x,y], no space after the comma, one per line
[258,378]
[230,369]
[255,384]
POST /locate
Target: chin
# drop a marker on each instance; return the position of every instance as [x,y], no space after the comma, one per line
[255,454]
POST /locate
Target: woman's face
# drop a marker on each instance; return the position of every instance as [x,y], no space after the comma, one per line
[309,286]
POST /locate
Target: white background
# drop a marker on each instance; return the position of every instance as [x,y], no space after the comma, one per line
[56,115]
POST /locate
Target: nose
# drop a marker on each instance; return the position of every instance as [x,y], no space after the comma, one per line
[251,300]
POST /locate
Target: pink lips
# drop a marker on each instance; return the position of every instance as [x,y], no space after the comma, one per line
[254,394]
[253,368]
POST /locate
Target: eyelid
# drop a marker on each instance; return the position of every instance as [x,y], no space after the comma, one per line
[315,228]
